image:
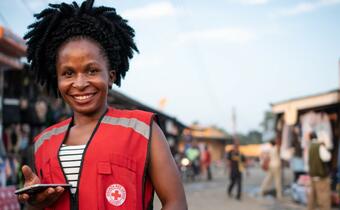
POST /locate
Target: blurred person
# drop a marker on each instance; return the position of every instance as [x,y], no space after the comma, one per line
[206,162]
[236,163]
[114,159]
[193,154]
[273,171]
[319,194]
[12,168]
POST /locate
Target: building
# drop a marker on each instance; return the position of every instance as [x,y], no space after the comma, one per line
[297,118]
[214,138]
[12,49]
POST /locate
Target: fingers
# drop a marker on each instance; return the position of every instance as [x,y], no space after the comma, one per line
[28,173]
[58,192]
[42,199]
[30,177]
[22,198]
[45,198]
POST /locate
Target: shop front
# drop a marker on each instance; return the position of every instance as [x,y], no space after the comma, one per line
[296,120]
[12,50]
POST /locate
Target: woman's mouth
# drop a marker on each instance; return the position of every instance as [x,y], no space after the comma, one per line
[83,98]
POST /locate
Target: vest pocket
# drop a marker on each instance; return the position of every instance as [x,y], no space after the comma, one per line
[116,183]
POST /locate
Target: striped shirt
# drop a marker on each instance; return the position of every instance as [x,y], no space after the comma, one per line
[70,157]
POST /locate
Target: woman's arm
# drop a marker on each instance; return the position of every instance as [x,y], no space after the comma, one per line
[164,174]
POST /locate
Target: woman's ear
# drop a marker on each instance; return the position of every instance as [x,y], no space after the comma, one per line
[112,77]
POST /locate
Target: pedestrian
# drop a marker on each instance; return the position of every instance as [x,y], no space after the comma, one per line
[206,162]
[113,158]
[193,154]
[319,194]
[236,163]
[273,171]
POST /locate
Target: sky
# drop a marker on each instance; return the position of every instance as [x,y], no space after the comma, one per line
[205,58]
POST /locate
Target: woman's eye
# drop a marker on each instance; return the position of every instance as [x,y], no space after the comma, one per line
[92,71]
[68,73]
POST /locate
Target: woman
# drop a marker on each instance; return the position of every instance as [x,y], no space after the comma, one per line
[114,159]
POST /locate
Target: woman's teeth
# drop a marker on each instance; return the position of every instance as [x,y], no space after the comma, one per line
[82,97]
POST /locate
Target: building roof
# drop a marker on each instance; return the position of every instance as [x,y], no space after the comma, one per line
[292,107]
[308,102]
[200,132]
[12,48]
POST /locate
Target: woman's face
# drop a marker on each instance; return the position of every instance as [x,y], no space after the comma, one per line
[84,76]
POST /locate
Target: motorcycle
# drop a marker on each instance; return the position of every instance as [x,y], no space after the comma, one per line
[186,169]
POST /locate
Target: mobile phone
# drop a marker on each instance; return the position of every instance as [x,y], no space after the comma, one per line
[36,188]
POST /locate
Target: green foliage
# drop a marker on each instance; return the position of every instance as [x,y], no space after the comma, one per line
[253,137]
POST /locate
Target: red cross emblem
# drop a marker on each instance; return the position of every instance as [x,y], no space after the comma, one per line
[116,194]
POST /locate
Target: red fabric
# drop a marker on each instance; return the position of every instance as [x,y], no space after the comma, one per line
[206,158]
[115,155]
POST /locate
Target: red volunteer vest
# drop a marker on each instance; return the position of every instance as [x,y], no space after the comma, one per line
[113,172]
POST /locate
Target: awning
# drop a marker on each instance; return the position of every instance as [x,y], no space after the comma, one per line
[290,108]
[12,48]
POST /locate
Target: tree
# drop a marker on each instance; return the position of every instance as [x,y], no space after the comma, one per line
[255,137]
[268,125]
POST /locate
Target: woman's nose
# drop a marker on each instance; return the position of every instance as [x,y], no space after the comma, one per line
[80,82]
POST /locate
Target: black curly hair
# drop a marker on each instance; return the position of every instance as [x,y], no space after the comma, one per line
[60,23]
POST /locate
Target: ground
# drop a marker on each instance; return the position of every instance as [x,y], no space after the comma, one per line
[204,195]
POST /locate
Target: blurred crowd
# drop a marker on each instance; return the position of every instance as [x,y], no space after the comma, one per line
[23,120]
[194,162]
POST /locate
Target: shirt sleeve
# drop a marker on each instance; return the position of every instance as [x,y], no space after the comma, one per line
[325,155]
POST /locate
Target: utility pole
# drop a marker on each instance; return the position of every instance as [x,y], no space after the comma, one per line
[233,123]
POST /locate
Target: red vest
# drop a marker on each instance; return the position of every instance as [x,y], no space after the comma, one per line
[114,169]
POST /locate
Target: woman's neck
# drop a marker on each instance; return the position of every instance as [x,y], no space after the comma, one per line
[83,119]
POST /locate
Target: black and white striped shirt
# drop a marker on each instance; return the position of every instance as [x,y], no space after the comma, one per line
[70,157]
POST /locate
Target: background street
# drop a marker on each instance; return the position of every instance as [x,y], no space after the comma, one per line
[203,195]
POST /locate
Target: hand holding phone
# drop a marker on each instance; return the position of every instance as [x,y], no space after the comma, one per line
[43,197]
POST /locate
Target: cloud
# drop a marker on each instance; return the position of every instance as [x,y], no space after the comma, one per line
[305,7]
[226,35]
[250,2]
[151,11]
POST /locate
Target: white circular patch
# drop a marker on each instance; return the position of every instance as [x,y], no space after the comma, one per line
[116,194]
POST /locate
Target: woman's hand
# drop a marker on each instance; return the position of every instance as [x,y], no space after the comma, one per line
[40,200]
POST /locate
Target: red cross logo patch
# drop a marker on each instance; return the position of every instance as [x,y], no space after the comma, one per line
[116,194]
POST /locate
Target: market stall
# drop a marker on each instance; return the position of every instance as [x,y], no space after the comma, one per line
[12,50]
[295,120]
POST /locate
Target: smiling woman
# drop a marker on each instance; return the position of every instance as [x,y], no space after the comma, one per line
[84,76]
[120,156]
